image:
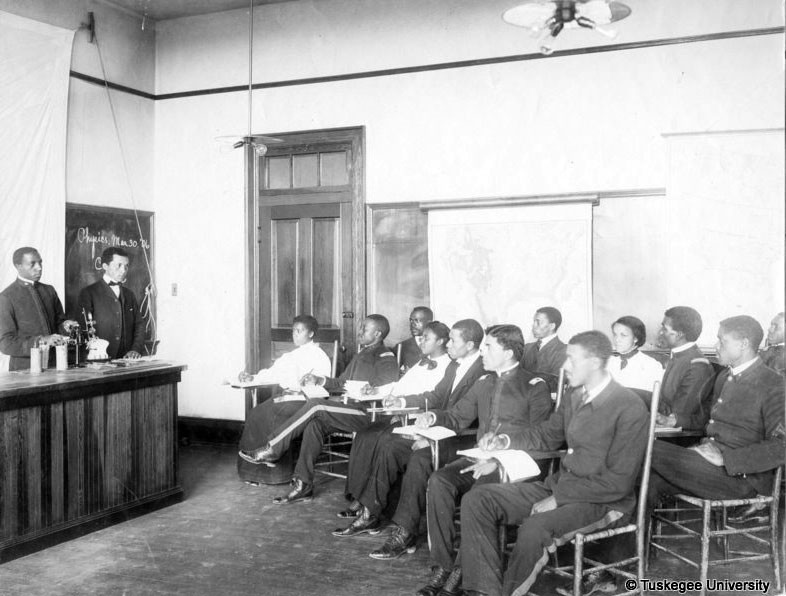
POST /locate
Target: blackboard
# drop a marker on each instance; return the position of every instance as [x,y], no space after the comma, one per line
[90,230]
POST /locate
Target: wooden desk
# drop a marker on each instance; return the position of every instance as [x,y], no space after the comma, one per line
[82,448]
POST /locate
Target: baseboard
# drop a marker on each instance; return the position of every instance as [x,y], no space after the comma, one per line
[209,431]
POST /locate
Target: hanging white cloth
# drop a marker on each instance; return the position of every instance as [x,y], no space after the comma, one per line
[35,60]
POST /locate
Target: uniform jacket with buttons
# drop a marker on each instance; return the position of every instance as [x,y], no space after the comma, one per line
[685,389]
[512,401]
[746,423]
[374,364]
[606,441]
[117,318]
[443,396]
[410,353]
[20,322]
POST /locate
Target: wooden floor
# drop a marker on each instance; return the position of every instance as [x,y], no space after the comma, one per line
[227,538]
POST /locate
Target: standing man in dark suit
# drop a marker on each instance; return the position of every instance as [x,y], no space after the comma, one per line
[31,314]
[605,427]
[546,354]
[410,347]
[744,440]
[379,457]
[114,308]
[687,380]
[773,355]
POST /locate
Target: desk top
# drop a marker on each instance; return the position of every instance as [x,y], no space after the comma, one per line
[20,383]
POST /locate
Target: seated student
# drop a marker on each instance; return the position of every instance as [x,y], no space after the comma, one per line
[687,380]
[429,369]
[317,418]
[605,426]
[379,457]
[745,434]
[628,366]
[546,354]
[411,352]
[286,371]
[508,400]
[774,356]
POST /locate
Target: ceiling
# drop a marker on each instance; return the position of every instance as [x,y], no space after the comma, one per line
[160,10]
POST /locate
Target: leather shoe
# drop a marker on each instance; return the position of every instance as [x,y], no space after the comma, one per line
[399,542]
[365,523]
[439,576]
[352,511]
[452,585]
[598,582]
[263,455]
[300,492]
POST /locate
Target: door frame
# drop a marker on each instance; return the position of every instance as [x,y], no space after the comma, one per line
[257,335]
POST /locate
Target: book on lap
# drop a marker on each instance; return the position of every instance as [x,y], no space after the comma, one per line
[517,464]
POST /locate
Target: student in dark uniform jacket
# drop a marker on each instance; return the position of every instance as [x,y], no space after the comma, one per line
[605,427]
[30,311]
[546,354]
[410,347]
[379,457]
[773,355]
[114,308]
[318,417]
[745,432]
[508,400]
[687,380]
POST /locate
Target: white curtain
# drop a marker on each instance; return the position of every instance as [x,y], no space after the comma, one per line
[35,61]
[499,265]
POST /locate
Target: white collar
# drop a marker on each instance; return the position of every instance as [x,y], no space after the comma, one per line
[547,339]
[597,389]
[744,366]
[107,279]
[503,371]
[29,282]
[469,359]
[683,347]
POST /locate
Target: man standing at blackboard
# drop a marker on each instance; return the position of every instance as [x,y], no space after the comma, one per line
[31,314]
[114,308]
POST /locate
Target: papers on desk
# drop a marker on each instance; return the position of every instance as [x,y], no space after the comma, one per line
[353,389]
[435,433]
[516,464]
[251,384]
[662,430]
[314,391]
[393,411]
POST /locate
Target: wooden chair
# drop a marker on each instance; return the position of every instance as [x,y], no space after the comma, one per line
[583,565]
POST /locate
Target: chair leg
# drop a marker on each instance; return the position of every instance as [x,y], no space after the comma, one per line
[705,546]
[774,544]
[578,563]
[724,538]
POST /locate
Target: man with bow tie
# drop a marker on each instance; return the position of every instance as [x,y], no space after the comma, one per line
[744,440]
[605,428]
[30,312]
[114,307]
[687,380]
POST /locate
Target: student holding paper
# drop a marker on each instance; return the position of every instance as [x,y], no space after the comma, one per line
[605,427]
[379,457]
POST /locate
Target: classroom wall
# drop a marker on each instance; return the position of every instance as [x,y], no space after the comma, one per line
[504,129]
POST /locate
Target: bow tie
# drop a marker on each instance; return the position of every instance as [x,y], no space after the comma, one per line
[625,357]
[113,283]
[428,363]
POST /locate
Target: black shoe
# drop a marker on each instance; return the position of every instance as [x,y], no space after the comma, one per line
[399,542]
[300,492]
[439,575]
[365,523]
[754,513]
[264,455]
[597,582]
[452,585]
[352,511]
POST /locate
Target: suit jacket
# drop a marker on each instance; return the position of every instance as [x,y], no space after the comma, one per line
[549,359]
[22,323]
[503,403]
[606,441]
[117,319]
[686,387]
[443,396]
[375,364]
[746,423]
[410,353]
[775,358]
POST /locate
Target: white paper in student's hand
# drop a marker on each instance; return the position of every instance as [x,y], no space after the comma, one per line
[517,464]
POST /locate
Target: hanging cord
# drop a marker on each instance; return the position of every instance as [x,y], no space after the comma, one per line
[146,307]
[250,62]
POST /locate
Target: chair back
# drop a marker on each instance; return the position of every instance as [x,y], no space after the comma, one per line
[331,349]
[560,388]
[641,505]
[398,355]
